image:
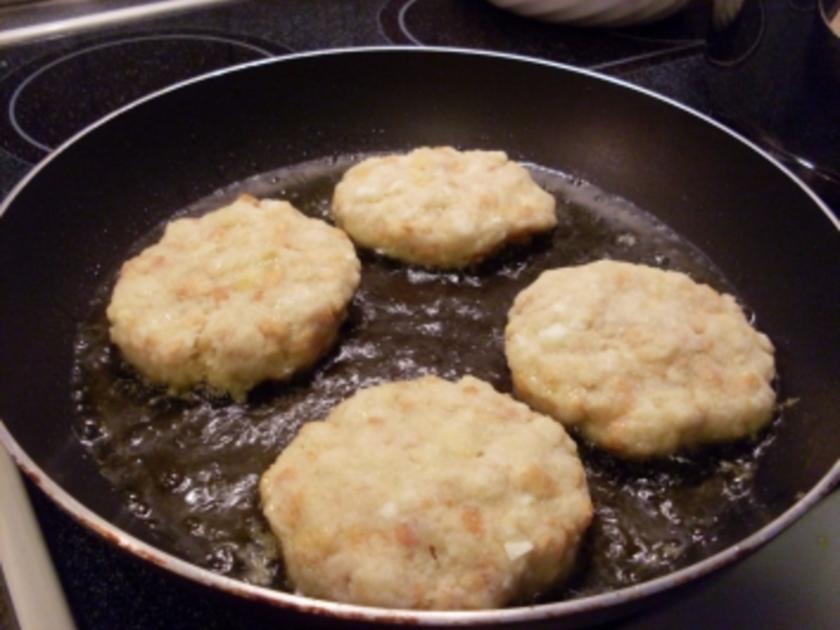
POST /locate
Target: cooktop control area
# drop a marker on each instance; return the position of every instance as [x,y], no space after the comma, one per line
[54,85]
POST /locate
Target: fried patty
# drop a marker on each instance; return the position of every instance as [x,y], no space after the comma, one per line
[440,207]
[249,292]
[643,362]
[428,494]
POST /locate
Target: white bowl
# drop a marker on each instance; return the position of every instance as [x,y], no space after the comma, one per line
[593,12]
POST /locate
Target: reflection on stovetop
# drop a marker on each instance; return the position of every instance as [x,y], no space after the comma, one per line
[50,89]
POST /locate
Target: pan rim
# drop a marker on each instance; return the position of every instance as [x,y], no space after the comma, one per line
[556,610]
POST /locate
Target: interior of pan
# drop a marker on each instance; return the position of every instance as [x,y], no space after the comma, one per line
[74,221]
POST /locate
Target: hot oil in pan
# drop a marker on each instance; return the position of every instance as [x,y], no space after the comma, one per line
[190,466]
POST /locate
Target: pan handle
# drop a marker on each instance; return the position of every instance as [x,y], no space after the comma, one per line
[36,594]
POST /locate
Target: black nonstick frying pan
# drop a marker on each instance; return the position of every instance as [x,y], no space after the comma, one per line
[67,227]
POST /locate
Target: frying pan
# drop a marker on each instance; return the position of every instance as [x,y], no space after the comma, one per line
[78,213]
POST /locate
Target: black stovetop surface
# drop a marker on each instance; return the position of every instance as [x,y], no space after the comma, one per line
[50,89]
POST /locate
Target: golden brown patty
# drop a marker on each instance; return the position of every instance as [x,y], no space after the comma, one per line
[441,207]
[428,494]
[643,361]
[249,292]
